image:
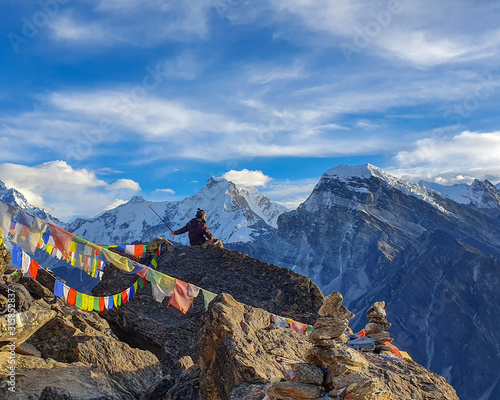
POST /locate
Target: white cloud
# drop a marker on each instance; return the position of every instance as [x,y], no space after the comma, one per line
[245,177]
[264,74]
[143,23]
[127,184]
[67,28]
[423,33]
[66,191]
[450,160]
[290,193]
[169,191]
[114,204]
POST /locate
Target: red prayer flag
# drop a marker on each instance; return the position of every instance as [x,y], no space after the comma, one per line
[180,298]
[124,297]
[62,239]
[299,327]
[72,296]
[101,304]
[33,269]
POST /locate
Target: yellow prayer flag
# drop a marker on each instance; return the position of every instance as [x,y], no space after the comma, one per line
[90,304]
[118,260]
[167,282]
[85,299]
[73,247]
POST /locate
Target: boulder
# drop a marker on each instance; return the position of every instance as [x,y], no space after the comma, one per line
[329,328]
[240,344]
[23,325]
[333,307]
[293,390]
[308,373]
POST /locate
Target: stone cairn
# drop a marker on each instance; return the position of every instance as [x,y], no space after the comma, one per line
[332,365]
[377,326]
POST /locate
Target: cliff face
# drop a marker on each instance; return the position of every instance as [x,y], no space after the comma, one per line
[152,351]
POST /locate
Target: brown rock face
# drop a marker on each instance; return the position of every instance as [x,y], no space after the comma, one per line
[308,373]
[239,344]
[294,390]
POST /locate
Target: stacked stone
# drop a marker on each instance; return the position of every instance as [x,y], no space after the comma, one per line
[378,324]
[307,383]
[329,350]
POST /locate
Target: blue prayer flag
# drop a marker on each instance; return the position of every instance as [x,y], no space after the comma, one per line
[58,289]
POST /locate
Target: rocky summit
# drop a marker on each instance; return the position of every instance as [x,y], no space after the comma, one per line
[232,350]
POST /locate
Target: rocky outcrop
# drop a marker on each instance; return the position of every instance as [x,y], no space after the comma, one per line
[232,351]
[72,349]
[169,334]
[335,369]
[240,344]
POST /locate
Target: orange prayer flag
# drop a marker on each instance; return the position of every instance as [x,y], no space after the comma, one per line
[33,272]
[72,297]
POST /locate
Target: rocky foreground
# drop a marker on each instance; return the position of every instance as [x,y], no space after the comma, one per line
[148,350]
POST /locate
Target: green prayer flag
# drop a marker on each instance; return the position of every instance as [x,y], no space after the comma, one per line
[78,302]
[208,297]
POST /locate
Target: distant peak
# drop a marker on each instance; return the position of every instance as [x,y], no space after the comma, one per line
[346,171]
[216,181]
[137,199]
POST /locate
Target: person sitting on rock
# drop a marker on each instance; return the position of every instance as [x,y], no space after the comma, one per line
[199,234]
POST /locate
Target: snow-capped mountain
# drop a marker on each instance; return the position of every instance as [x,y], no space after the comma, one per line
[435,261]
[17,199]
[234,214]
[482,194]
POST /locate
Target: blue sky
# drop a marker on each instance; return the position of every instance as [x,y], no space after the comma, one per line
[105,99]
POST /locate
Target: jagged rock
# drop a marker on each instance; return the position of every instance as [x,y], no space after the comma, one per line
[378,323]
[329,328]
[333,307]
[55,393]
[185,363]
[342,381]
[36,289]
[377,310]
[239,344]
[335,353]
[166,246]
[34,374]
[28,350]
[308,373]
[248,392]
[374,327]
[365,386]
[23,325]
[293,390]
[409,380]
[80,336]
[185,387]
[171,335]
